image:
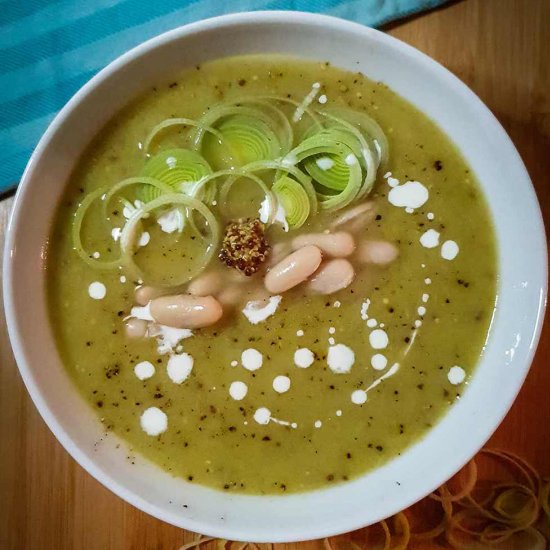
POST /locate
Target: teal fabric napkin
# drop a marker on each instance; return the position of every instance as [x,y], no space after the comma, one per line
[49,49]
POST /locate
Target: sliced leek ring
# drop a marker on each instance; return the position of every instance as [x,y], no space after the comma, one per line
[180,169]
[294,200]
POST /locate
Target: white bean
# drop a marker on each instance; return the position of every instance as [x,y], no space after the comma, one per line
[144,294]
[357,217]
[377,252]
[206,284]
[332,276]
[336,245]
[293,270]
[186,311]
[135,328]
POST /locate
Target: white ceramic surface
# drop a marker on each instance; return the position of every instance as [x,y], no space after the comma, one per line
[503,367]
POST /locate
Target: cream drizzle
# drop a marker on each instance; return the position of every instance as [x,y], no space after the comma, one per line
[263,416]
[306,102]
[257,314]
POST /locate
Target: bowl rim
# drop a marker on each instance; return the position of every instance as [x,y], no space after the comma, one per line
[229,20]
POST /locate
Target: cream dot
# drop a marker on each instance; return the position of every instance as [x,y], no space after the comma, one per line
[179,367]
[331,330]
[393,182]
[97,290]
[299,332]
[421,311]
[153,421]
[251,359]
[371,323]
[338,412]
[378,339]
[430,239]
[318,424]
[262,416]
[351,159]
[144,370]
[378,361]
[303,358]
[340,358]
[144,239]
[358,397]
[324,163]
[238,390]
[281,384]
[449,250]
[456,375]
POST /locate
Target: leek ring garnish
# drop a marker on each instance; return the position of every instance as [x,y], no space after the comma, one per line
[369,128]
[248,139]
[179,169]
[366,154]
[309,112]
[169,122]
[334,163]
[281,166]
[232,177]
[251,130]
[128,240]
[106,194]
[294,200]
[338,185]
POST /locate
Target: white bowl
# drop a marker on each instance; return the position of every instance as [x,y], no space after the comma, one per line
[515,327]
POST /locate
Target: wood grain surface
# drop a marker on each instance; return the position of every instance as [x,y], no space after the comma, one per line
[501,49]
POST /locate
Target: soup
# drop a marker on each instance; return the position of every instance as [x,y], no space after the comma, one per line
[270,275]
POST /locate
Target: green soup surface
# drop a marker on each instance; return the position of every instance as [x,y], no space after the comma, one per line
[415,327]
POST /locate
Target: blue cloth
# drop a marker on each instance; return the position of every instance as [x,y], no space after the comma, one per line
[50,48]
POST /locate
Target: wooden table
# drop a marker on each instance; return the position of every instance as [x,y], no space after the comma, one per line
[501,49]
